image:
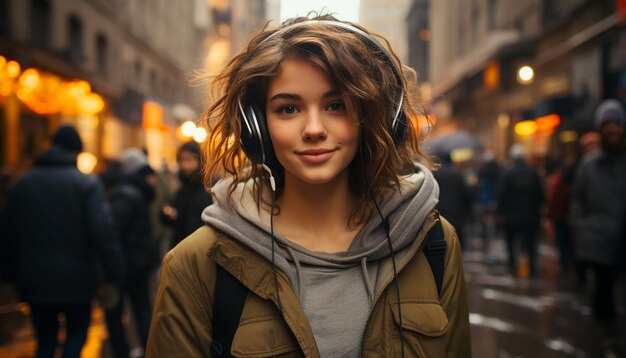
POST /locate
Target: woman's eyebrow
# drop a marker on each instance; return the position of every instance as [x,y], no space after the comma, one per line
[331,93]
[293,96]
[285,96]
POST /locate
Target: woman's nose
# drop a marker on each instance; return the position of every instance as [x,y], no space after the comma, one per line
[314,128]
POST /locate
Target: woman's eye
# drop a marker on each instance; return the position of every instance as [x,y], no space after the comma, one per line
[337,106]
[287,109]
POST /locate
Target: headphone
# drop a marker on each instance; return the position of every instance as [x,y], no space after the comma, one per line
[255,139]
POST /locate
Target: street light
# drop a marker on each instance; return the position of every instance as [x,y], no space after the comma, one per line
[188,128]
[199,134]
[525,75]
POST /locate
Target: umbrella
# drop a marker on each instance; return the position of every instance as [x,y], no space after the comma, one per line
[444,145]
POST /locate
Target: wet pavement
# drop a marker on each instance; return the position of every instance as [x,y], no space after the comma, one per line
[546,317]
[17,339]
[517,316]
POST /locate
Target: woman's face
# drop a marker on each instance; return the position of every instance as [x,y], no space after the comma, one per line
[313,136]
[188,163]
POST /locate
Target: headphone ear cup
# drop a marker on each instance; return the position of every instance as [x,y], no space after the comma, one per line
[398,132]
[250,136]
[264,134]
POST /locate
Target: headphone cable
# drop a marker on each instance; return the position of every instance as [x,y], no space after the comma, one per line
[273,186]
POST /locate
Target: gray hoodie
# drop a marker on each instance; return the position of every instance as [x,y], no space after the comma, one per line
[336,289]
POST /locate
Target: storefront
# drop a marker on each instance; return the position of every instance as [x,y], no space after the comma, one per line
[34,103]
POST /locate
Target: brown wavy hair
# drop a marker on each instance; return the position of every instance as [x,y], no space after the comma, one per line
[363,77]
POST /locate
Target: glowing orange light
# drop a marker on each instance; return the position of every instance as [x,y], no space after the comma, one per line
[548,123]
[152,115]
[90,103]
[78,88]
[491,75]
[3,61]
[30,79]
[13,69]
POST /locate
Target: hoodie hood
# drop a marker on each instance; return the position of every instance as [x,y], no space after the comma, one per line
[406,209]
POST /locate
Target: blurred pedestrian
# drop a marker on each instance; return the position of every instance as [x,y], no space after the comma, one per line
[184,212]
[59,239]
[598,212]
[455,197]
[489,174]
[130,201]
[519,208]
[315,243]
[558,204]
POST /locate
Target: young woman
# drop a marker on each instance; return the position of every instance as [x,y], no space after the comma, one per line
[323,222]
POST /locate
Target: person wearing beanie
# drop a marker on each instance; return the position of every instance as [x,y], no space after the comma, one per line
[56,240]
[610,121]
[130,203]
[67,138]
[184,211]
[598,214]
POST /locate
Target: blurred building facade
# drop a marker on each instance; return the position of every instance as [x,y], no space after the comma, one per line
[418,32]
[387,18]
[574,51]
[117,70]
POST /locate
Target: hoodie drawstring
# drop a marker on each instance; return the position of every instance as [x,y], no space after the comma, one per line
[299,279]
[368,283]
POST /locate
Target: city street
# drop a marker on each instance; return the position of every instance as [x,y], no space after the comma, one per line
[548,316]
[545,317]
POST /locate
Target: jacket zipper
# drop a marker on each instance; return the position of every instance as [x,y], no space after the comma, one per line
[402,266]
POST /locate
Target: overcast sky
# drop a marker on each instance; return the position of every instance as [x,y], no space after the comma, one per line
[344,9]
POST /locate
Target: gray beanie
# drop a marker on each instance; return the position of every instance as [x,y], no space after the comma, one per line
[133,159]
[609,110]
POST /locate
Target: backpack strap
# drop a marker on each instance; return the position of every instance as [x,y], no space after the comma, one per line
[230,296]
[435,251]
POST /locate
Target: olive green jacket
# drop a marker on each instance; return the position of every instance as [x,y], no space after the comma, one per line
[181,325]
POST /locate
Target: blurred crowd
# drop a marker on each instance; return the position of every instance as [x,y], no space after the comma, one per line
[578,202]
[69,238]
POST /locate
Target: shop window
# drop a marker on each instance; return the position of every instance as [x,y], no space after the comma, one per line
[39,23]
[102,53]
[75,39]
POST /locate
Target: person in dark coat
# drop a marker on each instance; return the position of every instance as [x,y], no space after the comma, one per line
[130,201]
[57,243]
[454,196]
[519,207]
[598,215]
[183,213]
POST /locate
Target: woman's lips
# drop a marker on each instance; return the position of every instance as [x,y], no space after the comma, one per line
[316,156]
